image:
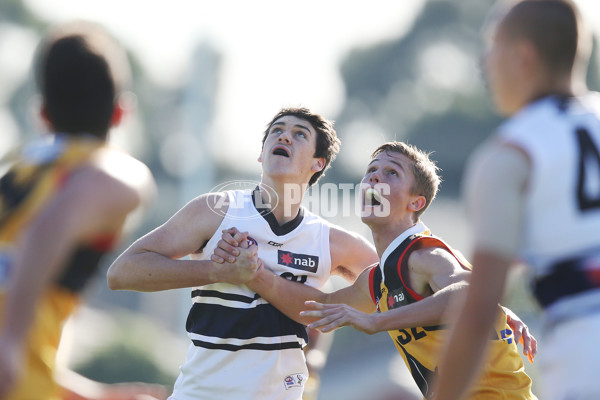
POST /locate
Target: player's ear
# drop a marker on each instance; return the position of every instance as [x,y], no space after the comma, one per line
[260,156]
[126,103]
[417,203]
[318,164]
[117,115]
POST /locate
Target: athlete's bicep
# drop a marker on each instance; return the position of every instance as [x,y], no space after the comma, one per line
[435,268]
[350,253]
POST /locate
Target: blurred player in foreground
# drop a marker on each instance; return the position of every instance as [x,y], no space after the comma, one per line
[63,205]
[416,278]
[533,192]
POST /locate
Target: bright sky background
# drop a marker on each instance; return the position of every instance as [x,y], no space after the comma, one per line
[275,52]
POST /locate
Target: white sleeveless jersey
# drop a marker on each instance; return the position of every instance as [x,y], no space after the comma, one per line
[562,210]
[242,347]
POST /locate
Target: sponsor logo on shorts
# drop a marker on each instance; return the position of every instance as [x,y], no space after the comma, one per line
[294,380]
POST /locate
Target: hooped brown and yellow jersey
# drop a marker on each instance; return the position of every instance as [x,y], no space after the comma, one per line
[504,376]
[38,173]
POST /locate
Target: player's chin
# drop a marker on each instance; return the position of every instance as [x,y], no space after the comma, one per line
[372,213]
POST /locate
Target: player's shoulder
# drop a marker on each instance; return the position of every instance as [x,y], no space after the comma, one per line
[339,235]
[548,114]
[110,168]
[429,247]
[348,244]
[532,118]
[206,211]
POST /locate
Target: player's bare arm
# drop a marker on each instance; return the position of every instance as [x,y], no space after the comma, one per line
[472,325]
[350,253]
[434,274]
[289,297]
[154,263]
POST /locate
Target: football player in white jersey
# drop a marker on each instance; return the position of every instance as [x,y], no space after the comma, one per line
[534,194]
[242,347]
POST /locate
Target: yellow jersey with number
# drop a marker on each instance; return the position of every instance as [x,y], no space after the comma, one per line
[38,172]
[504,376]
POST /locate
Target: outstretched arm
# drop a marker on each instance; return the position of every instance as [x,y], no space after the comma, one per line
[434,274]
[429,311]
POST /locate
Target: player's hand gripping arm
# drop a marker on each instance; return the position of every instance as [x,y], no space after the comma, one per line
[289,297]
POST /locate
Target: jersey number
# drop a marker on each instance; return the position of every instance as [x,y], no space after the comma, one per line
[406,337]
[589,171]
[294,278]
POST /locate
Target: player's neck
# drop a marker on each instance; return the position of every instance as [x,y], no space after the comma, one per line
[384,234]
[285,198]
[557,86]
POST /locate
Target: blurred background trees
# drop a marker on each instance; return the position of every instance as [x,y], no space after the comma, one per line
[423,86]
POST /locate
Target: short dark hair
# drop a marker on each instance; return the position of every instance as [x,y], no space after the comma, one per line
[555,28]
[80,70]
[424,169]
[328,144]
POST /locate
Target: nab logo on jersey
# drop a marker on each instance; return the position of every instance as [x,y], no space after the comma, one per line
[304,262]
[396,298]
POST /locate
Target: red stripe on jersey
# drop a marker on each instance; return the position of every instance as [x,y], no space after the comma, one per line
[371,283]
[414,294]
[427,241]
[103,242]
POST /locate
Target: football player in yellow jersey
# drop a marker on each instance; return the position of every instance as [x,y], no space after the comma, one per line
[412,286]
[63,204]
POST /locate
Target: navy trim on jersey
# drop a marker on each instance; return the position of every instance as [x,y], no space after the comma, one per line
[252,346]
[421,374]
[266,213]
[220,321]
[568,278]
[80,269]
[224,296]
